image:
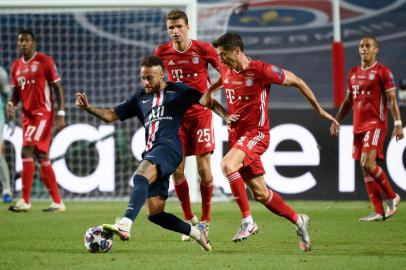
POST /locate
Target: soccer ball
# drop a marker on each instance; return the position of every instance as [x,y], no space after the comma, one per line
[98,240]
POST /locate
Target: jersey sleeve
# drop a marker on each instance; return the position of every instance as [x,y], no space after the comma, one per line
[387,80]
[349,92]
[273,74]
[129,108]
[51,73]
[13,79]
[189,95]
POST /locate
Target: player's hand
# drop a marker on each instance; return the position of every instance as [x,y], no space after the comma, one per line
[230,119]
[81,100]
[334,129]
[398,133]
[11,111]
[328,116]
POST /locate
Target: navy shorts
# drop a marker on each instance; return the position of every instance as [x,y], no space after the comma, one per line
[166,160]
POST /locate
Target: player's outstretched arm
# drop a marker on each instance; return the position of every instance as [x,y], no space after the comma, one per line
[394,108]
[295,81]
[345,107]
[108,115]
[207,96]
[215,106]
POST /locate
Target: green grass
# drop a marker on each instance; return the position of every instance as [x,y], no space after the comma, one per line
[37,240]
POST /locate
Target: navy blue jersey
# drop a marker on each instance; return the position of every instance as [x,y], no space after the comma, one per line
[160,113]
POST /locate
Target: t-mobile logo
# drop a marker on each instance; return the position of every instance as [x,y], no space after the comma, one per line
[230,95]
[177,74]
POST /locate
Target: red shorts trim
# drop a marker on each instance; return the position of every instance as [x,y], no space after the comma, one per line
[37,131]
[373,139]
[196,134]
[252,143]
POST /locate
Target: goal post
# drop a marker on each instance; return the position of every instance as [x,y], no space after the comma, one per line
[97,45]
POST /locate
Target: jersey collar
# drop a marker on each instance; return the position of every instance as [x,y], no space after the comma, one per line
[376,62]
[25,62]
[188,47]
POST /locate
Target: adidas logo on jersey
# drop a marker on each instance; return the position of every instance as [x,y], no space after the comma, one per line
[171,63]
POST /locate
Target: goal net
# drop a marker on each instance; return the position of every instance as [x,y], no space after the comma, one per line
[97,46]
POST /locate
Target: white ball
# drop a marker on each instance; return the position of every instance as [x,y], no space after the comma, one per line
[98,240]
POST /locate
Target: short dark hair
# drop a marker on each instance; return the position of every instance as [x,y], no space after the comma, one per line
[27,32]
[229,41]
[152,61]
[177,14]
[373,39]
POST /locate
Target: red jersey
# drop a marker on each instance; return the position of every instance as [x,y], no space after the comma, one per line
[32,78]
[247,93]
[367,88]
[190,67]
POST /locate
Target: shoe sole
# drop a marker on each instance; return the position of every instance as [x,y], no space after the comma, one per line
[245,238]
[12,209]
[111,229]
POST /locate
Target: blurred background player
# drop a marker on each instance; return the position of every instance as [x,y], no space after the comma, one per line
[402,93]
[371,88]
[247,84]
[187,61]
[4,172]
[160,107]
[33,75]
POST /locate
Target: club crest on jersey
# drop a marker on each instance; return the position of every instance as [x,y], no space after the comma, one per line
[249,81]
[371,76]
[195,59]
[34,67]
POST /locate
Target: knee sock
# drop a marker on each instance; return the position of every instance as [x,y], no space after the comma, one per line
[277,205]
[374,193]
[4,176]
[182,190]
[206,190]
[138,196]
[380,176]
[27,176]
[48,177]
[240,194]
[170,222]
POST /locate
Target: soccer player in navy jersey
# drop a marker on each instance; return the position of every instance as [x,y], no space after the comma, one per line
[247,84]
[160,107]
[371,88]
[187,60]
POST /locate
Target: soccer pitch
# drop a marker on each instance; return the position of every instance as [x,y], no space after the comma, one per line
[38,240]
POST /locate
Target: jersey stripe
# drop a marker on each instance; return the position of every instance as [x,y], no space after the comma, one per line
[153,128]
[255,140]
[262,112]
[40,130]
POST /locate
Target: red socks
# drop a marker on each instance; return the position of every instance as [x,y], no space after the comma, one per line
[27,176]
[380,177]
[277,205]
[48,177]
[374,193]
[182,190]
[206,190]
[240,194]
